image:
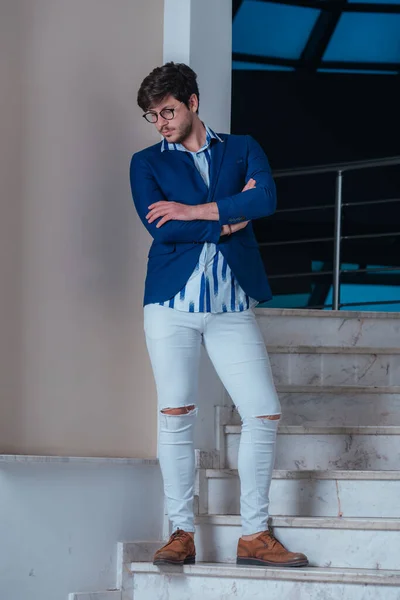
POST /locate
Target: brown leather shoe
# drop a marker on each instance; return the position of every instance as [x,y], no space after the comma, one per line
[180,550]
[266,551]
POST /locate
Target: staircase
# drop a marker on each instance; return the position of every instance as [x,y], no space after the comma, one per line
[337,471]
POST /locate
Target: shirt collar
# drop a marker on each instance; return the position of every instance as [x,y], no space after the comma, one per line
[210,135]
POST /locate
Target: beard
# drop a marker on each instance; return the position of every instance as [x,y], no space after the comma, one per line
[181,133]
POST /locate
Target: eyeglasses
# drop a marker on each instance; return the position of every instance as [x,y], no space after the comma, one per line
[165,113]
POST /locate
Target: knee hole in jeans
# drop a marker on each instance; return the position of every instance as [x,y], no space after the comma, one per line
[270,417]
[183,410]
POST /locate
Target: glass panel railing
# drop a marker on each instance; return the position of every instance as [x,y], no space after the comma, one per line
[341,254]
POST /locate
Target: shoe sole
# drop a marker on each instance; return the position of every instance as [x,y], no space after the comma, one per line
[190,560]
[255,562]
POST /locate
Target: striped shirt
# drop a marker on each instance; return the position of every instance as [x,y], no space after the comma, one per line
[212,287]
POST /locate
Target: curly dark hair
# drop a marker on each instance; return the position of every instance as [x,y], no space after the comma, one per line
[175,79]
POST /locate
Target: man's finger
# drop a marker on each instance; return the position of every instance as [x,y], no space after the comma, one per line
[155,216]
[239,226]
[152,215]
[249,185]
[159,203]
[160,212]
[163,221]
[155,213]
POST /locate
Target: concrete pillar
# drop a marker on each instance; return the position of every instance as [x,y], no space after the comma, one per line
[199,33]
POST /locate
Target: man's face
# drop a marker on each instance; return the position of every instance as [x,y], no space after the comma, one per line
[177,129]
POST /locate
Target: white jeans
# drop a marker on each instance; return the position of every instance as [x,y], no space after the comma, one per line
[236,348]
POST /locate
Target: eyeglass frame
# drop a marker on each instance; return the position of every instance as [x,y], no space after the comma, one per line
[157,114]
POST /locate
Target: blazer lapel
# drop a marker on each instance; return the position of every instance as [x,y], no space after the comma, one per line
[217,154]
[178,156]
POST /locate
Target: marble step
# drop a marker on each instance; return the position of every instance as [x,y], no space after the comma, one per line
[209,581]
[331,406]
[354,543]
[326,350]
[326,448]
[327,365]
[110,595]
[310,493]
[288,327]
[338,389]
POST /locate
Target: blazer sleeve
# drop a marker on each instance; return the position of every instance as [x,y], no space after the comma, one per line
[145,191]
[252,204]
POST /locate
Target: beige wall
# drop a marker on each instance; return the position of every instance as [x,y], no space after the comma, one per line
[10,214]
[74,374]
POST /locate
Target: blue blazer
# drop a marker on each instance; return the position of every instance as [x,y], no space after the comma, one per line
[176,247]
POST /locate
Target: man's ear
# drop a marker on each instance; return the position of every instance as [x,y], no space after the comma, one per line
[193,103]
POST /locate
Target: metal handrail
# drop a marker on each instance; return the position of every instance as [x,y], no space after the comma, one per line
[389,161]
[344,204]
[339,169]
[360,236]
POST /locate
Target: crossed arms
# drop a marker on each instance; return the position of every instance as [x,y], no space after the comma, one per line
[174,222]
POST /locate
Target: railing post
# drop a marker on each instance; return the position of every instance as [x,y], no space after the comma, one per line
[337,240]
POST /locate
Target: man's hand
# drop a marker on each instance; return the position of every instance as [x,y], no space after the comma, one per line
[175,211]
[249,185]
[171,211]
[229,229]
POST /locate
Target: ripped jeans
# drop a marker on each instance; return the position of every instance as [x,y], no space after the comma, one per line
[236,348]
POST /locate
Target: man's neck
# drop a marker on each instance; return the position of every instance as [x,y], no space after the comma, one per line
[197,137]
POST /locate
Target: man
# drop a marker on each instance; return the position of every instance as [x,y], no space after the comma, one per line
[197,192]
